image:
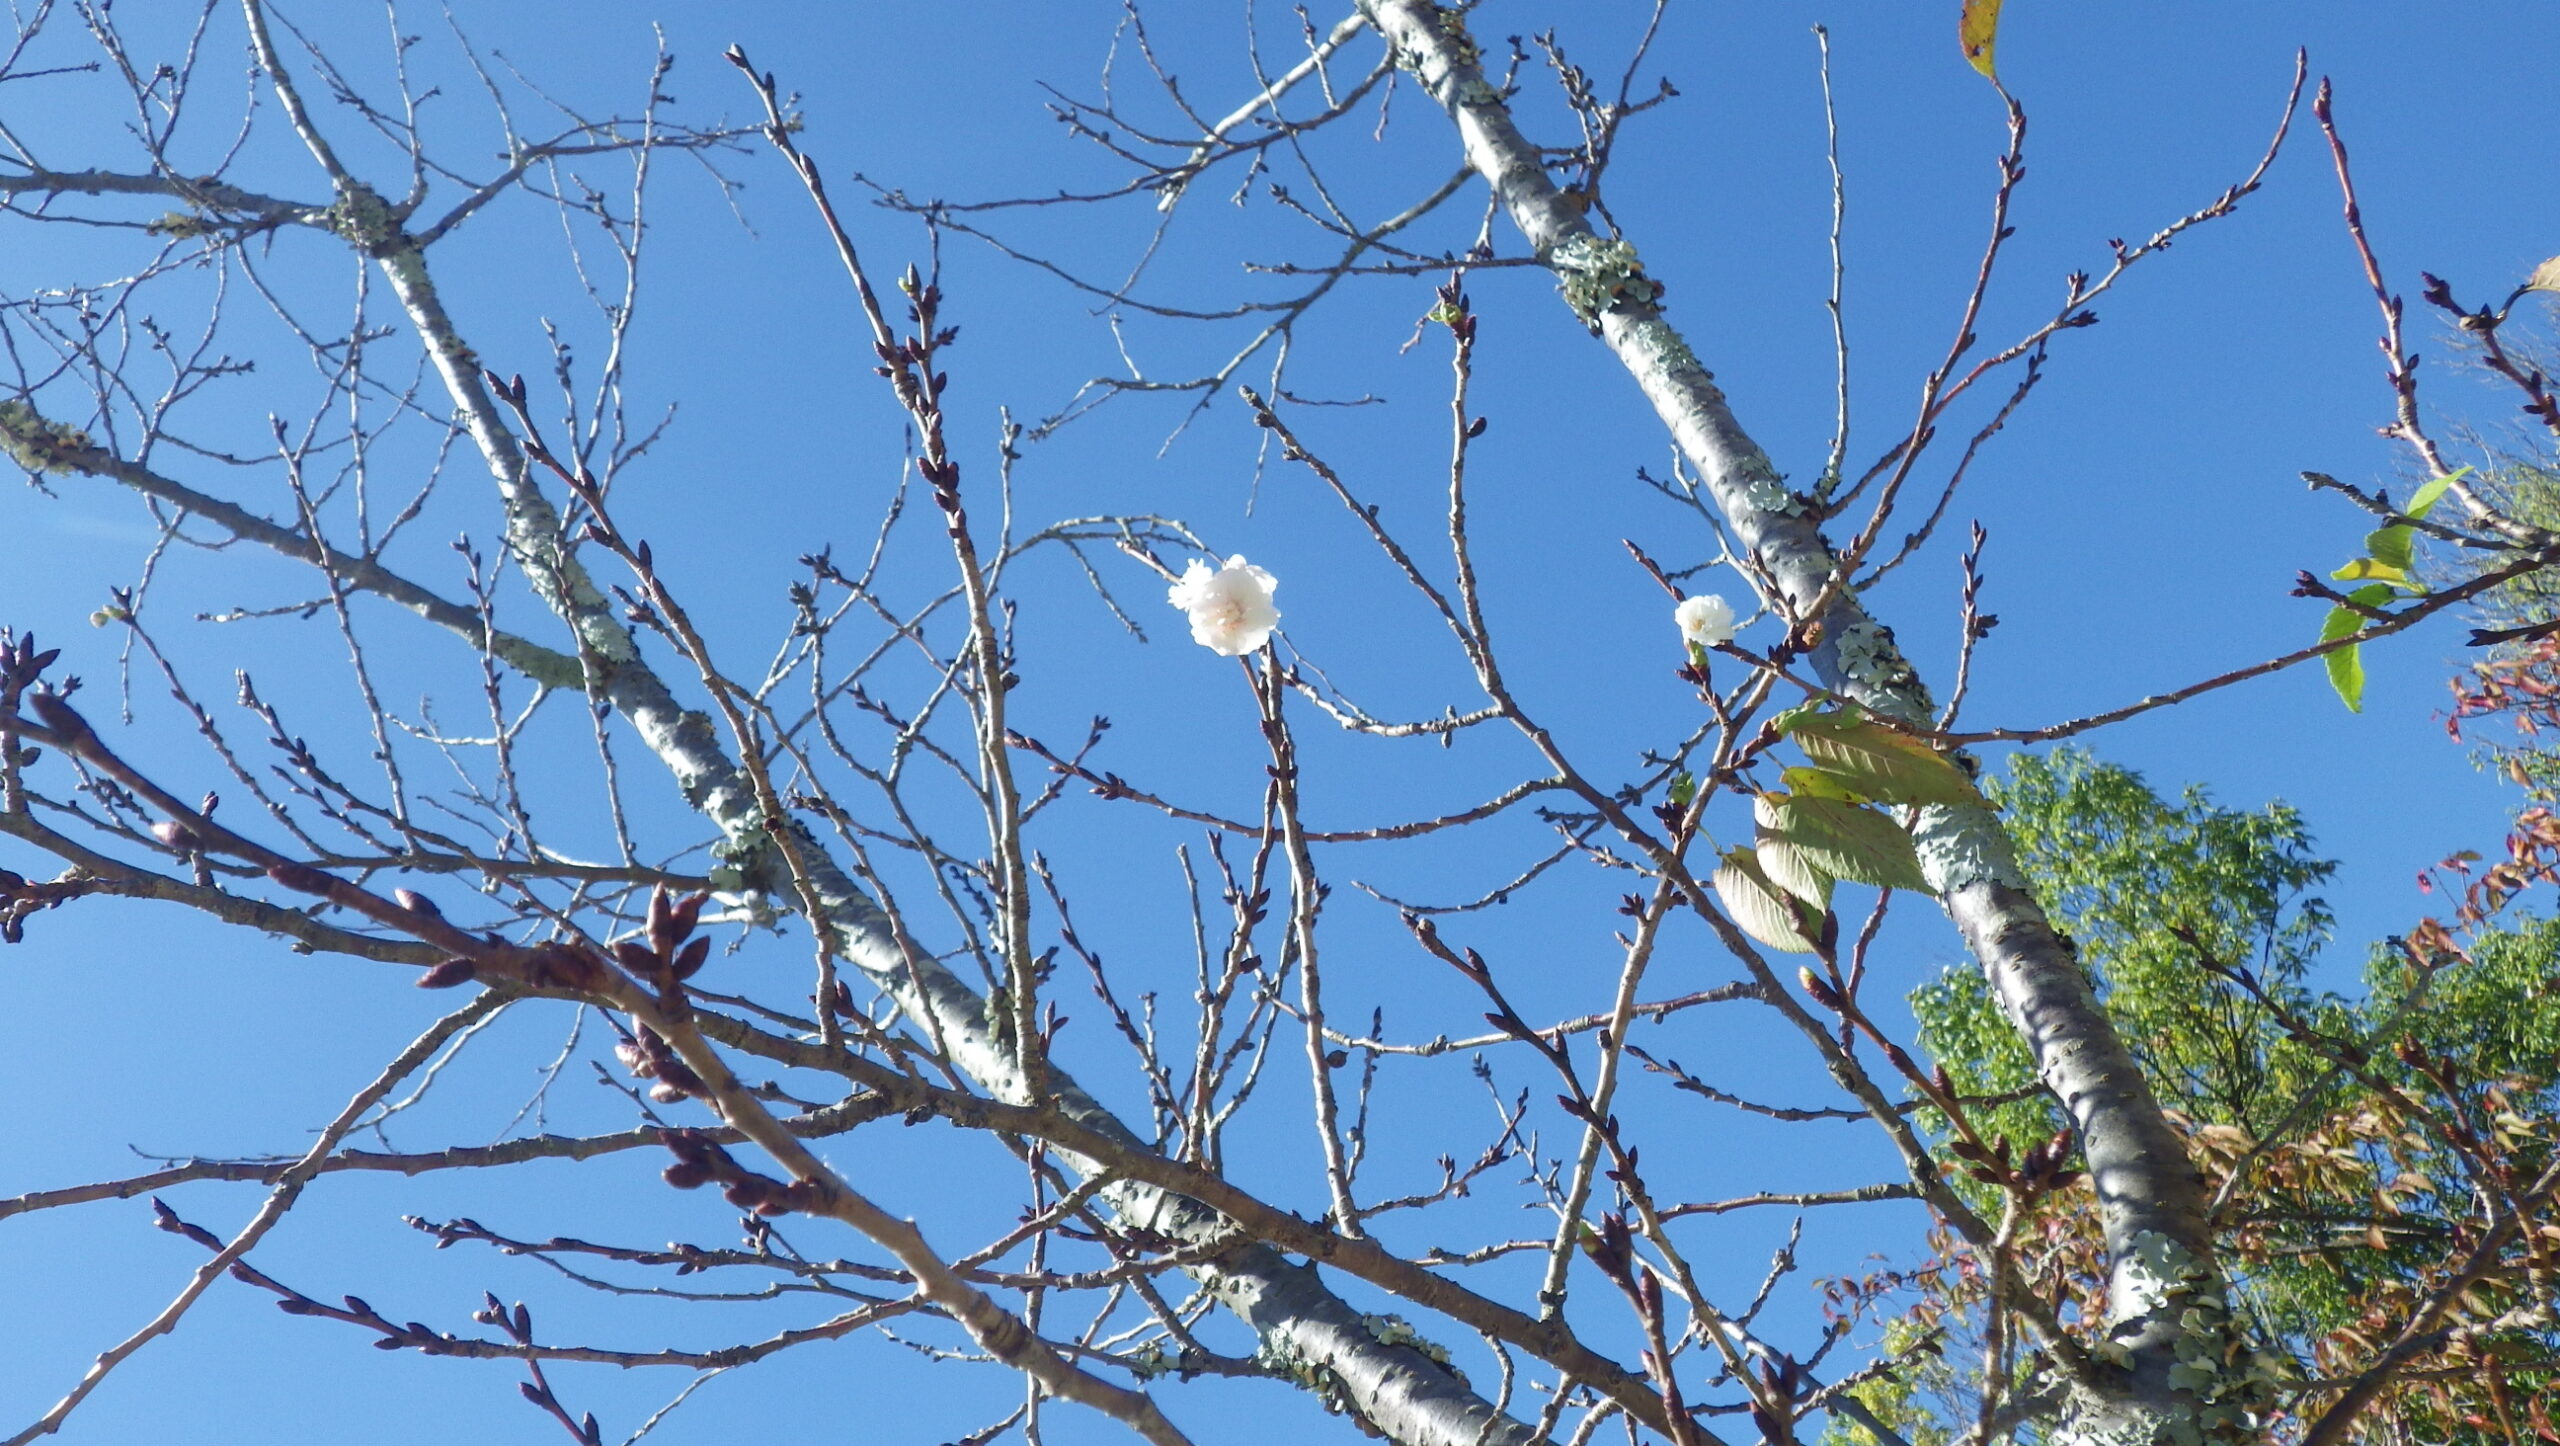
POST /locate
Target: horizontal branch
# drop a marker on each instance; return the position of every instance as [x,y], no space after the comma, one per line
[834,1119]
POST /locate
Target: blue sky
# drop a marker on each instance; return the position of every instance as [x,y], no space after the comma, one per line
[2145,519]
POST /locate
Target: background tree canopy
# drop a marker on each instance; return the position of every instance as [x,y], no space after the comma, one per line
[2343,1165]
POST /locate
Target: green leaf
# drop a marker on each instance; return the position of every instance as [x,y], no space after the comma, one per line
[1841,839]
[2346,665]
[1763,910]
[2393,546]
[1794,870]
[1978,30]
[1867,757]
[1684,787]
[2427,496]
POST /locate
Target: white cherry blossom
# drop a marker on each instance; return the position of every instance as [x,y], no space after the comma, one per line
[1231,611]
[1705,621]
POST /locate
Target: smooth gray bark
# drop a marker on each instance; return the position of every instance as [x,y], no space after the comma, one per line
[2150,1199]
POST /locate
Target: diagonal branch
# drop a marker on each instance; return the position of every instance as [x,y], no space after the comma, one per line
[2150,1203]
[279,1200]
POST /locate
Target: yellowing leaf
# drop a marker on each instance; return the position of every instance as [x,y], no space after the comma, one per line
[1978,29]
[2545,277]
[2366,569]
[1822,783]
[1868,758]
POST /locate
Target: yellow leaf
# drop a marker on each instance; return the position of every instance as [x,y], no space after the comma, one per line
[2365,569]
[1979,30]
[2545,277]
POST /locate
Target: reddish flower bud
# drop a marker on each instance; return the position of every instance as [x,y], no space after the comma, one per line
[448,974]
[302,878]
[689,960]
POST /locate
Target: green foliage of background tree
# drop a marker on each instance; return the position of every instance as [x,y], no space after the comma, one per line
[2349,1137]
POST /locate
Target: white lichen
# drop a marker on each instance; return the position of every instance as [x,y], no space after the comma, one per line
[40,444]
[363,217]
[2230,1380]
[1597,275]
[1395,1330]
[1669,350]
[1961,847]
[1868,657]
[1282,1359]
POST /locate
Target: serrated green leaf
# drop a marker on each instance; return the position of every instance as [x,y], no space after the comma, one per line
[1842,839]
[2366,569]
[1889,767]
[2346,665]
[2393,546]
[1823,783]
[1762,909]
[2348,674]
[2426,497]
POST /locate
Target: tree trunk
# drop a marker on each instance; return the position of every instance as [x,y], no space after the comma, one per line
[2156,1379]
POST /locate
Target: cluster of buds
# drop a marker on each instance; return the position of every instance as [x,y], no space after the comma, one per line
[1611,1246]
[908,364]
[700,1161]
[553,964]
[517,1325]
[1781,1383]
[20,665]
[20,897]
[646,1055]
[2043,1171]
[672,954]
